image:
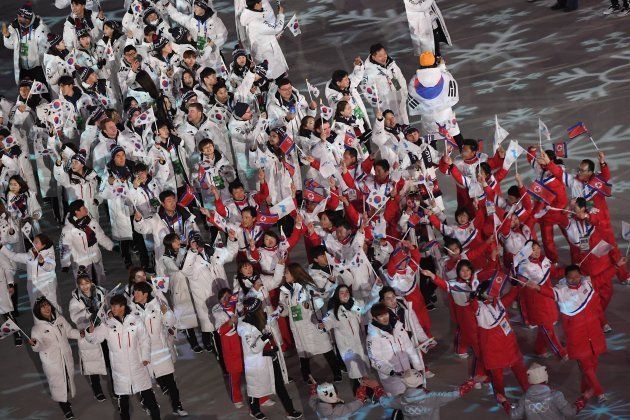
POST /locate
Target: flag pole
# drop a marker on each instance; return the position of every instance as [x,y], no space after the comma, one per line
[309,91]
[593,141]
[516,161]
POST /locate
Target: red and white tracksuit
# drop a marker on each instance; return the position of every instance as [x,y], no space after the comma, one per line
[497,341]
[230,348]
[402,277]
[601,270]
[468,234]
[580,313]
[542,310]
[579,188]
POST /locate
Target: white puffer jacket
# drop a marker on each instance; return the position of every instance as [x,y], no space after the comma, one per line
[51,342]
[91,355]
[129,345]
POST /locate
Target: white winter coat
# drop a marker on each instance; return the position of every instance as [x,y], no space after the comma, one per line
[119,210]
[421,15]
[333,96]
[158,326]
[51,342]
[183,308]
[389,352]
[259,374]
[90,355]
[349,337]
[41,279]
[206,275]
[37,41]
[262,31]
[390,85]
[79,188]
[157,227]
[129,345]
[75,247]
[297,305]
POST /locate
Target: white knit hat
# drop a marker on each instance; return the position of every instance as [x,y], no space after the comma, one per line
[537,374]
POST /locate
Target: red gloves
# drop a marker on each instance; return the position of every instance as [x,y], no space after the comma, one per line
[378,392]
[466,387]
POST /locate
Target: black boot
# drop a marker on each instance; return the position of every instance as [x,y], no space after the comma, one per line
[208,342]
[192,340]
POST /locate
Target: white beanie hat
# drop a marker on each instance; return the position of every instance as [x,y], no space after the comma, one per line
[537,374]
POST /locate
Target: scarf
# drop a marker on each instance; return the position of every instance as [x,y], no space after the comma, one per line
[92,302]
[121,172]
[389,328]
[83,225]
[345,91]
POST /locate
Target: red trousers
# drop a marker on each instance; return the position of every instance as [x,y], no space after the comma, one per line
[420,308]
[235,387]
[519,371]
[546,338]
[588,367]
[548,243]
[602,283]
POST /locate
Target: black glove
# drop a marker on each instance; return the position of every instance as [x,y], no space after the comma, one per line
[266,336]
[270,352]
[65,269]
[101,63]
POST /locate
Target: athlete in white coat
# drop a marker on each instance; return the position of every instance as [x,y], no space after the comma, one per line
[49,338]
[382,73]
[263,32]
[265,370]
[40,269]
[129,353]
[390,350]
[80,240]
[183,307]
[303,308]
[206,275]
[158,321]
[85,303]
[426,25]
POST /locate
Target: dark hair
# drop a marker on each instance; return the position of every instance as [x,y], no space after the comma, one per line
[384,290]
[461,210]
[338,75]
[514,192]
[129,48]
[572,267]
[340,107]
[319,122]
[222,292]
[272,234]
[383,164]
[374,48]
[65,80]
[203,143]
[299,274]
[119,300]
[251,210]
[140,167]
[464,263]
[318,251]
[486,167]
[37,308]
[334,303]
[208,71]
[388,111]
[282,82]
[166,194]
[590,163]
[305,121]
[448,241]
[197,106]
[472,143]
[168,242]
[132,273]
[20,181]
[234,185]
[352,152]
[143,287]
[45,240]
[378,310]
[75,206]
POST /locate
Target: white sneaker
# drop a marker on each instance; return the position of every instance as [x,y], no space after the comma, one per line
[428,374]
[180,412]
[477,385]
[607,329]
[602,398]
[462,355]
[612,11]
[238,405]
[268,403]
